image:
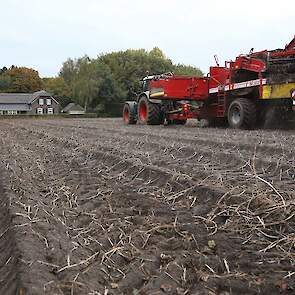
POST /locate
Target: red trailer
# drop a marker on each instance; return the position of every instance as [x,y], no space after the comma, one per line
[240,93]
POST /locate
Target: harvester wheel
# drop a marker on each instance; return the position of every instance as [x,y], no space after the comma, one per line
[242,114]
[129,117]
[149,113]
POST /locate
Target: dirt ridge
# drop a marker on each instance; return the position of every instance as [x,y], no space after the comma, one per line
[94,218]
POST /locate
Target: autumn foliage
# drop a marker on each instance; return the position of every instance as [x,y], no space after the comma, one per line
[19,80]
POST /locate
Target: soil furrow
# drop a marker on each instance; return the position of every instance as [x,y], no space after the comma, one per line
[176,214]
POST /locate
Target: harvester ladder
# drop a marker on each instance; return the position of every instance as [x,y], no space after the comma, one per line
[221,102]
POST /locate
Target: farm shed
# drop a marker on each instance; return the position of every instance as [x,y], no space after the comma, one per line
[37,103]
[73,109]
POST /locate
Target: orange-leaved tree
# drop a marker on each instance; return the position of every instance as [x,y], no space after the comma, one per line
[20,79]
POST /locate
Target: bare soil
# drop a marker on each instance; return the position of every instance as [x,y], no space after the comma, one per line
[90,206]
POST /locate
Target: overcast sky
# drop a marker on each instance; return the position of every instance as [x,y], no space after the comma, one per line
[43,33]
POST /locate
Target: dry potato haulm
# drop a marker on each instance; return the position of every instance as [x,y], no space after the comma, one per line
[92,206]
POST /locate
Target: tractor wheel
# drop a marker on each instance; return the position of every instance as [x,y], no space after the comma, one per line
[242,114]
[129,117]
[149,113]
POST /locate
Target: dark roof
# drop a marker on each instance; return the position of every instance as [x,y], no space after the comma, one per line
[15,97]
[21,98]
[40,93]
[72,106]
[14,107]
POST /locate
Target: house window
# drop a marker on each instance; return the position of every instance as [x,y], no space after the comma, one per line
[41,101]
[50,111]
[48,101]
[11,112]
[39,111]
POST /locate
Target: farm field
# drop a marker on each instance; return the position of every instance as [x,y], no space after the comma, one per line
[91,206]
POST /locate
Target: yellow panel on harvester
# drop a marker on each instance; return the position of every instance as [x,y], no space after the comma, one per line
[277,91]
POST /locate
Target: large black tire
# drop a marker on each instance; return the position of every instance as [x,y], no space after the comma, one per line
[129,117]
[149,113]
[242,114]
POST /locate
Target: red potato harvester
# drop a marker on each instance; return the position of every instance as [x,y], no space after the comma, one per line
[241,92]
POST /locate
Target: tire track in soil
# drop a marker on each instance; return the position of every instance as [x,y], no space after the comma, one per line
[47,238]
[269,139]
[220,163]
[227,140]
[105,188]
[222,149]
[10,281]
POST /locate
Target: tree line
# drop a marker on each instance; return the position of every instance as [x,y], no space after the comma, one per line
[101,84]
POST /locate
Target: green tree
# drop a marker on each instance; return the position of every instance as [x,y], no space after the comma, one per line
[184,70]
[68,70]
[157,52]
[93,83]
[129,66]
[71,67]
[112,78]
